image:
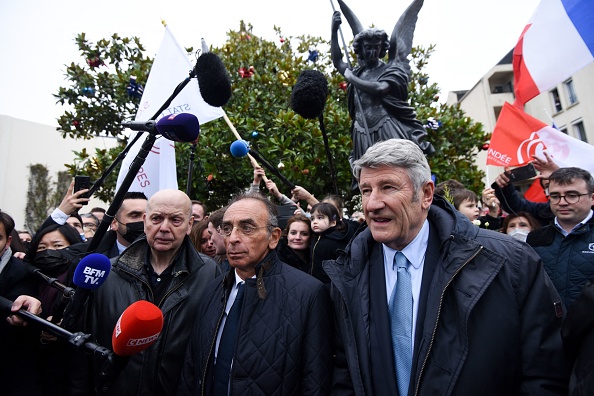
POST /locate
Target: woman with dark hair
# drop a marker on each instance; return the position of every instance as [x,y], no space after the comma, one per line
[519,225]
[48,253]
[293,247]
[330,234]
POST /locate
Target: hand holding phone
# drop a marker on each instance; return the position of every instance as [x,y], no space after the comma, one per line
[522,173]
[82,183]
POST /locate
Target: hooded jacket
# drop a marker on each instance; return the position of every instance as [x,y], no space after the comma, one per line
[490,327]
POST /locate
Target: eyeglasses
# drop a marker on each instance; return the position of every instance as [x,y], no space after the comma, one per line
[245,229]
[570,198]
[90,226]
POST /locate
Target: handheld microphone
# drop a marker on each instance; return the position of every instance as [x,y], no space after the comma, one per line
[181,127]
[137,328]
[213,80]
[309,94]
[90,273]
[241,148]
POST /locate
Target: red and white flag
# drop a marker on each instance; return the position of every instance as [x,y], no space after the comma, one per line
[170,67]
[517,136]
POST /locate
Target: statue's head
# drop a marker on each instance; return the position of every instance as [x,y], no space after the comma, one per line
[371,35]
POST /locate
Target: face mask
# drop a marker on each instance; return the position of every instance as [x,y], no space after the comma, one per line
[133,231]
[519,233]
[51,262]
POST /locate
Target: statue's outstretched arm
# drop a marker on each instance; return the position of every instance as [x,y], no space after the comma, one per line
[335,51]
[375,88]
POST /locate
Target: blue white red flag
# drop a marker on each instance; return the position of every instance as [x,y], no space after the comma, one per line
[557,42]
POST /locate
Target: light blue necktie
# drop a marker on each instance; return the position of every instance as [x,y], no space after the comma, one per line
[401,313]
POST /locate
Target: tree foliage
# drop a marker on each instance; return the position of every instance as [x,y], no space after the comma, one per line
[262,74]
[43,194]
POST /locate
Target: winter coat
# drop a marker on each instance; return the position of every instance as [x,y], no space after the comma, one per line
[490,326]
[569,260]
[326,246]
[285,337]
[156,370]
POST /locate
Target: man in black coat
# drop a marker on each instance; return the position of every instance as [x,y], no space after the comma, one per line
[283,327]
[483,317]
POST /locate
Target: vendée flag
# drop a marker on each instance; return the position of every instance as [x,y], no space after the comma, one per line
[517,136]
[170,67]
[557,42]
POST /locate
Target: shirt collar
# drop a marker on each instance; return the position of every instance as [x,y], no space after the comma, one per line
[581,223]
[415,250]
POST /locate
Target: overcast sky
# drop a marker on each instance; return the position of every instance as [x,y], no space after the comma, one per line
[37,36]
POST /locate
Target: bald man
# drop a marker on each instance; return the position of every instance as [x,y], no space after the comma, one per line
[164,268]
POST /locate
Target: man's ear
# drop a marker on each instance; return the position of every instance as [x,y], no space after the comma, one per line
[8,240]
[427,194]
[275,235]
[190,225]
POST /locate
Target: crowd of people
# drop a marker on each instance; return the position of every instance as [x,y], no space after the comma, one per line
[497,295]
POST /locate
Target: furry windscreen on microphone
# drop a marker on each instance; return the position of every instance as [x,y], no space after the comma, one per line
[213,79]
[309,94]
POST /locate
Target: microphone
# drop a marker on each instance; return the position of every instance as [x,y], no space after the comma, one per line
[309,94]
[137,328]
[90,273]
[241,148]
[213,79]
[53,282]
[181,127]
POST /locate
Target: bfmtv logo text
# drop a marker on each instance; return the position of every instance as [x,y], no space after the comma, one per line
[93,275]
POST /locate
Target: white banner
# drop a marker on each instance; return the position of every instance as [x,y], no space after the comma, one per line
[170,67]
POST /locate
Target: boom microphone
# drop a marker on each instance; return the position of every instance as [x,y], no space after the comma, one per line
[213,80]
[181,127]
[137,328]
[53,282]
[309,94]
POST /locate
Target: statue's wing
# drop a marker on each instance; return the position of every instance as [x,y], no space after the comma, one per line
[402,35]
[351,18]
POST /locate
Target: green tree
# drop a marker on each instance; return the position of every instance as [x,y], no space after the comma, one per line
[262,74]
[43,194]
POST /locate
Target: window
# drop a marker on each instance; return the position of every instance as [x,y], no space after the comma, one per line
[580,131]
[556,100]
[571,95]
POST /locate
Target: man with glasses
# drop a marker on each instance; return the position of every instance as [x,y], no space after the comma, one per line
[566,246]
[264,327]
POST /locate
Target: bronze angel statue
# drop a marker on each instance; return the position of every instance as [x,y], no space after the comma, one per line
[378,91]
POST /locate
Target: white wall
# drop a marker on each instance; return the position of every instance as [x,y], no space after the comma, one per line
[23,143]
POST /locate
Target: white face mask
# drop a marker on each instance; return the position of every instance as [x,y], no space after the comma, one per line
[519,233]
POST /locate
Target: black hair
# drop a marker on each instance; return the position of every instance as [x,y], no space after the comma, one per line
[70,233]
[330,211]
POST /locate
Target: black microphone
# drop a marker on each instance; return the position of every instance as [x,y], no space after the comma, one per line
[213,80]
[181,127]
[79,340]
[309,94]
[53,282]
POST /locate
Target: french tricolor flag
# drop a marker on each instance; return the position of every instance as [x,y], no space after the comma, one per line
[557,42]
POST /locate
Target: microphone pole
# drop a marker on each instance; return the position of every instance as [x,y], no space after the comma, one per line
[328,153]
[134,168]
[355,90]
[190,168]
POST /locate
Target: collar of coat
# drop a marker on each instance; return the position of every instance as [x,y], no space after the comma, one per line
[263,269]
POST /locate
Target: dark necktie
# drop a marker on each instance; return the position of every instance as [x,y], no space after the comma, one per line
[401,312]
[227,345]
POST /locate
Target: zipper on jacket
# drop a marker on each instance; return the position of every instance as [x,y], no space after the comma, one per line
[438,316]
[313,253]
[174,288]
[212,346]
[150,291]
